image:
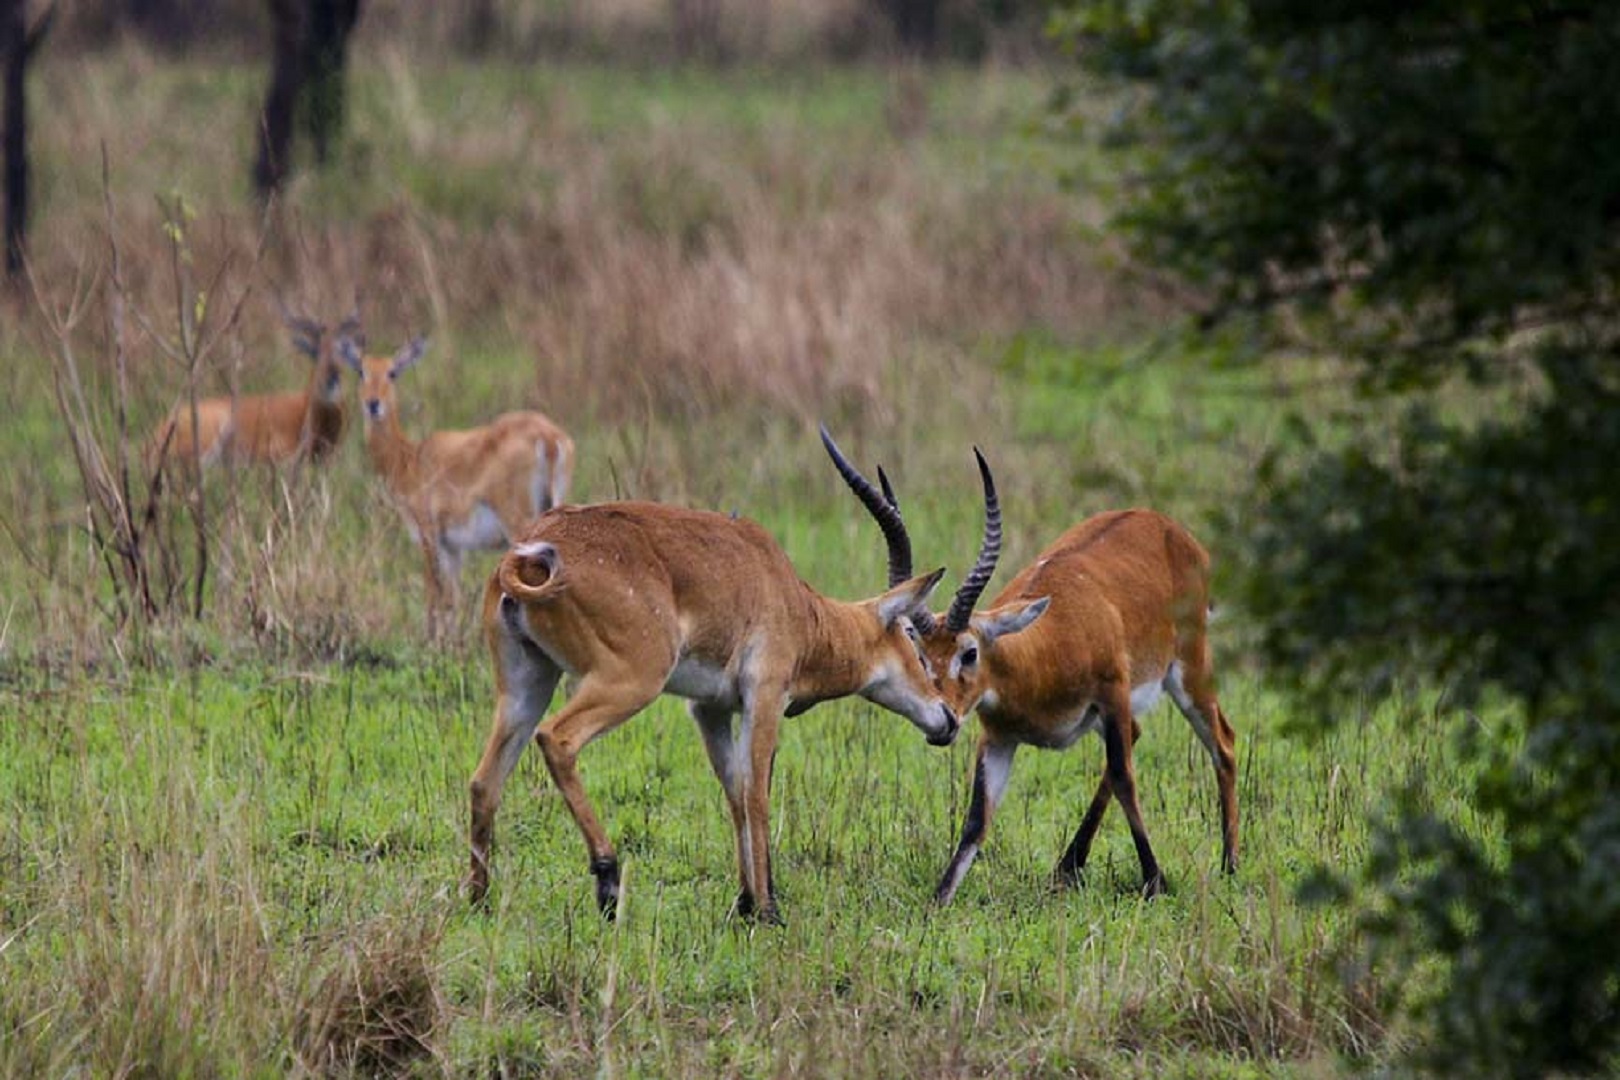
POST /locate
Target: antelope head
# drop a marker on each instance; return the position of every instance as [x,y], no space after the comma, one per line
[311,338]
[378,373]
[957,649]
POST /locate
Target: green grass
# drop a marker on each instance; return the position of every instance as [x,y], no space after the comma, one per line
[315,803]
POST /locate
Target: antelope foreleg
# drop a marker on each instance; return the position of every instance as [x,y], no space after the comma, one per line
[715,724]
[1116,731]
[1074,859]
[432,588]
[991,769]
[765,712]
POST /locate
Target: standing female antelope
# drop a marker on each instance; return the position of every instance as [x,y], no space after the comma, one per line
[458,491]
[635,599]
[263,428]
[1085,639]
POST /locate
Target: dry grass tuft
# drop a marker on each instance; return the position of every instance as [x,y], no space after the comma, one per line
[379,1007]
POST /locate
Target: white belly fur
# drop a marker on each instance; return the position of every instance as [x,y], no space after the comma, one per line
[480,532]
[1143,699]
[697,680]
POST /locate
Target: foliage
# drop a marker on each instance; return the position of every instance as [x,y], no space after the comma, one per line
[1426,192]
[1488,556]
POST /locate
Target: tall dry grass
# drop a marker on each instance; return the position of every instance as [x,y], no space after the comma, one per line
[685,271]
[618,31]
[707,282]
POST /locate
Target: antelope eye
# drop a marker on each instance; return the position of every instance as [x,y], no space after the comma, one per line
[911,632]
[970,656]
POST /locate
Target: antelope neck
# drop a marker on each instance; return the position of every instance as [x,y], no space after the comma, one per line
[838,651]
[391,452]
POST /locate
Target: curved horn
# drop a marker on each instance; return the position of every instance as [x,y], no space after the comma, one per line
[306,332]
[888,492]
[352,327]
[956,619]
[882,507]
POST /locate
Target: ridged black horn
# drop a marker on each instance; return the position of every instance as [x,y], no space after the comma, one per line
[351,326]
[882,506]
[956,620]
[298,324]
[888,492]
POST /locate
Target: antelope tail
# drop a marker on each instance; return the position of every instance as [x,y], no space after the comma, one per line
[532,573]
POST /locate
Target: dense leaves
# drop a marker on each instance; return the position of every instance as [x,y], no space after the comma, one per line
[1427,191]
[1488,555]
[1425,173]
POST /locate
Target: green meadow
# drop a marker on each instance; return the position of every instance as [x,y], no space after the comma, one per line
[231,843]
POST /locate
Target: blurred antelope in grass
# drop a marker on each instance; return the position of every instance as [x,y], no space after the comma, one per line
[263,428]
[636,599]
[458,491]
[1085,639]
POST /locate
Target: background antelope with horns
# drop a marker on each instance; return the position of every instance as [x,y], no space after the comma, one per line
[266,428]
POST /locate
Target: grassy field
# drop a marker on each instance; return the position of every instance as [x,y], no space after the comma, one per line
[231,844]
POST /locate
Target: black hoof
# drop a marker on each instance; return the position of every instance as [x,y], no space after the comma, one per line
[749,911]
[1065,878]
[607,886]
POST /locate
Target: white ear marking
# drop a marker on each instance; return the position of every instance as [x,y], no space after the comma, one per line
[1009,620]
[409,353]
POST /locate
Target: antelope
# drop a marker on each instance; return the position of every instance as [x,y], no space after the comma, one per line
[1085,639]
[458,491]
[635,599]
[263,428]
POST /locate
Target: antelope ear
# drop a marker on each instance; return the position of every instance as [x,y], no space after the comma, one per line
[409,353]
[908,597]
[1009,619]
[349,352]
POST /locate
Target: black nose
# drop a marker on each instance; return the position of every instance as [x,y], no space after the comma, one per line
[374,409]
[950,726]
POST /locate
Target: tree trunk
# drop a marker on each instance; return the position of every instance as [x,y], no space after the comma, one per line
[696,29]
[326,53]
[306,83]
[286,78]
[165,22]
[480,28]
[12,30]
[916,25]
[17,45]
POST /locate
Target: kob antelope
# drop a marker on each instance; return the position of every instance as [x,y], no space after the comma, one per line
[1085,639]
[263,428]
[636,599]
[458,491]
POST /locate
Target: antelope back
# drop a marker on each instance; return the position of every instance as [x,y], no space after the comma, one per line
[627,572]
[636,586]
[1106,598]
